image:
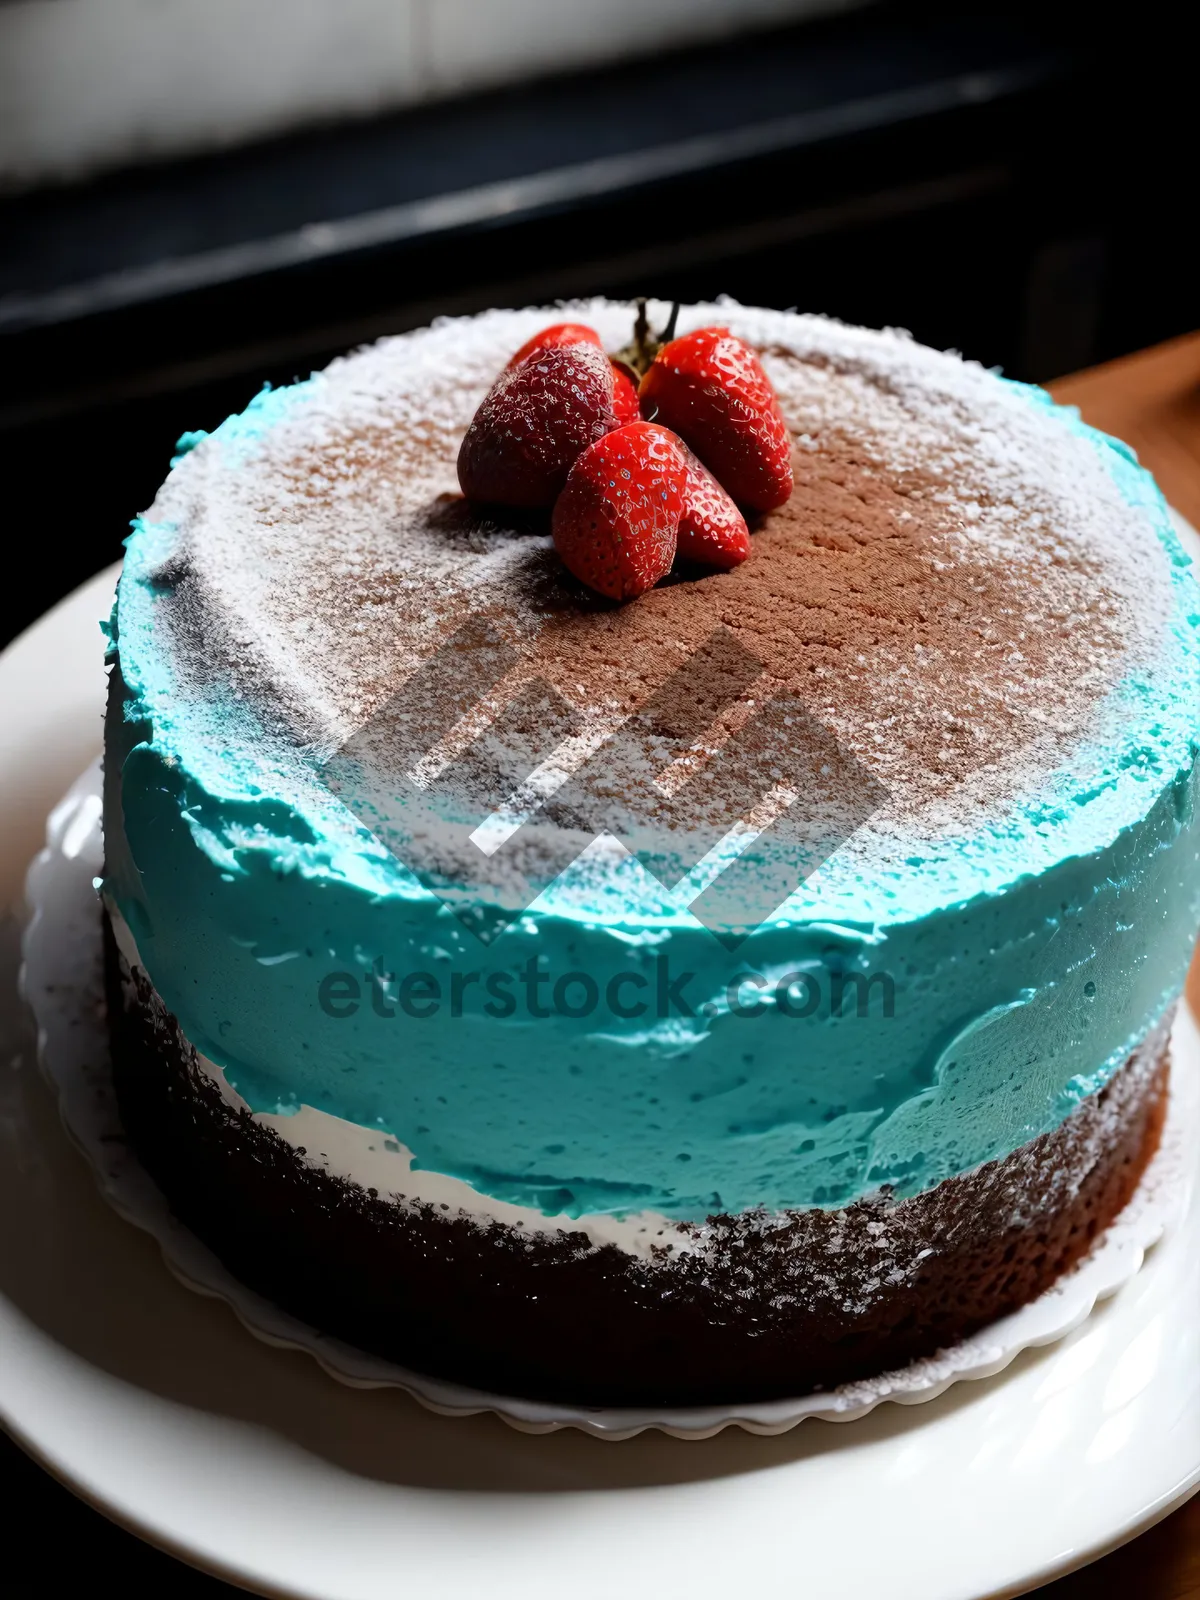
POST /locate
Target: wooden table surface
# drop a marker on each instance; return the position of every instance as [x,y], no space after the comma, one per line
[1152,401]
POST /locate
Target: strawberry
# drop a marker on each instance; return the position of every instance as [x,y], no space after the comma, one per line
[615,522]
[559,333]
[533,422]
[712,530]
[710,388]
[625,395]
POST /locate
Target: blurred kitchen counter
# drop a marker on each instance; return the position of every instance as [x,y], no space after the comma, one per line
[1152,401]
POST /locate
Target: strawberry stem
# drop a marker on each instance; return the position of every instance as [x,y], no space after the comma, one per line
[639,354]
[641,338]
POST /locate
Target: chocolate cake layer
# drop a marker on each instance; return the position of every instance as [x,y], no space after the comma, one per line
[764,1305]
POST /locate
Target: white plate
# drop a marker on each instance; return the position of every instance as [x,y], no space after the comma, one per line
[158,1407]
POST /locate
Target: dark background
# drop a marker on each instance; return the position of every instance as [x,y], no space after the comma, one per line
[1012,183]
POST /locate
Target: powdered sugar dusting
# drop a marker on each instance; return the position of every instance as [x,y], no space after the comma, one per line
[328,552]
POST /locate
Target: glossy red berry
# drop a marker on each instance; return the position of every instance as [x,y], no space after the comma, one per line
[533,422]
[615,523]
[710,388]
[558,333]
[712,531]
[625,395]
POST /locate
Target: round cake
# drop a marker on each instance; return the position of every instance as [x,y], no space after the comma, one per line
[718,996]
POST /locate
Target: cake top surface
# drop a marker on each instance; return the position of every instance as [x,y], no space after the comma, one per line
[973,608]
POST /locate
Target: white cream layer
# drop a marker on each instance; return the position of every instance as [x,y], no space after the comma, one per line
[374,1160]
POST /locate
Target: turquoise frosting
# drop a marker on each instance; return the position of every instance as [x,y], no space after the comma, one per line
[892,1024]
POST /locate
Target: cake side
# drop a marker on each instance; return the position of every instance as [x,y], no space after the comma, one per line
[744,1307]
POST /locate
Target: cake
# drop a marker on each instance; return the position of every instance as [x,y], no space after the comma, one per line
[720,996]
